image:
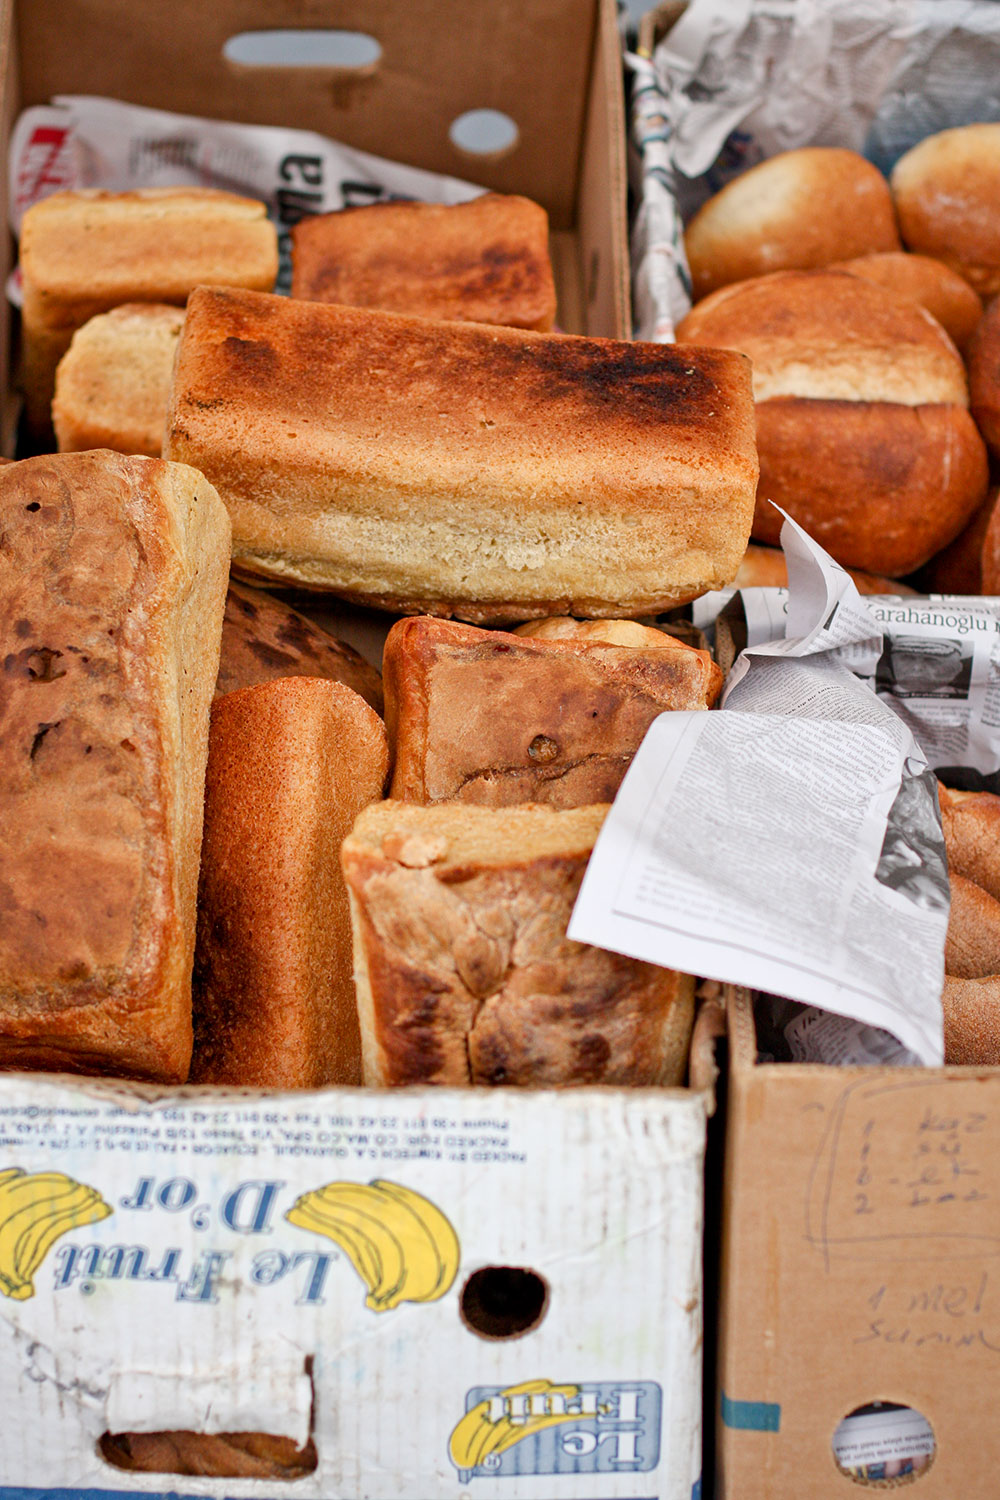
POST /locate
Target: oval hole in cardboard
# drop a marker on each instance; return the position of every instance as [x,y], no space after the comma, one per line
[884,1444]
[504,1302]
[484,132]
[303,49]
[225,1455]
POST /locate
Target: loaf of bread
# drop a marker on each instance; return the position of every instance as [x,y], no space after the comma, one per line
[453,469]
[112,584]
[797,211]
[929,283]
[465,974]
[971,824]
[485,261]
[765,568]
[972,1021]
[229,1455]
[983,356]
[973,946]
[599,632]
[862,415]
[87,251]
[113,382]
[291,764]
[264,638]
[947,195]
[965,565]
[495,718]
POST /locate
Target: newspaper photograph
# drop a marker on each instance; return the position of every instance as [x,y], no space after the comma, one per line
[842,900]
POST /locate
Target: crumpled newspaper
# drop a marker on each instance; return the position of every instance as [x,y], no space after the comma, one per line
[736,81]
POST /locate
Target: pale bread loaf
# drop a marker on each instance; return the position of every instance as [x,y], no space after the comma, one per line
[113,383]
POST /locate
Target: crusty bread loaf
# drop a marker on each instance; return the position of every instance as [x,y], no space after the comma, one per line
[86,251]
[113,383]
[929,283]
[947,195]
[990,553]
[973,946]
[861,408]
[495,718]
[962,566]
[465,974]
[971,824]
[972,1021]
[454,469]
[112,582]
[765,568]
[799,210]
[230,1455]
[485,261]
[983,356]
[264,638]
[291,764]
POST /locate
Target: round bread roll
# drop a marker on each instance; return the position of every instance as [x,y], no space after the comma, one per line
[861,405]
[972,948]
[607,632]
[798,210]
[947,192]
[960,568]
[983,356]
[972,1021]
[928,282]
[765,568]
[971,825]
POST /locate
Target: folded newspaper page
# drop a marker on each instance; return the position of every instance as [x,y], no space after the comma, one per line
[82,142]
[791,840]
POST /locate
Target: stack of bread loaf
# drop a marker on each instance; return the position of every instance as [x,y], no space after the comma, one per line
[971,822]
[177,900]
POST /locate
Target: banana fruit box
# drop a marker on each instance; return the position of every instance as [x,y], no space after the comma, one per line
[436,1295]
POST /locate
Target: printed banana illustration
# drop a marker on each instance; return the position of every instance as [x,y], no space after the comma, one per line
[477,1435]
[35,1209]
[401,1245]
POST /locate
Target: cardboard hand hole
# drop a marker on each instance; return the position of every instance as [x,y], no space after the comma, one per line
[343,50]
[221,1455]
[884,1444]
[503,1302]
[484,132]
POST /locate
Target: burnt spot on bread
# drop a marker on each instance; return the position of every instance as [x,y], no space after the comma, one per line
[22,628]
[245,606]
[271,656]
[253,359]
[593,1053]
[39,736]
[36,663]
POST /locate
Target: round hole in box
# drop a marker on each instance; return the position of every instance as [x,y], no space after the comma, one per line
[303,49]
[884,1445]
[504,1302]
[484,132]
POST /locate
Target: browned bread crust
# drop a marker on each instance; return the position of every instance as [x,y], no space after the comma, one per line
[990,555]
[984,376]
[971,824]
[973,946]
[798,210]
[959,567]
[494,718]
[947,194]
[862,426]
[454,469]
[263,638]
[972,1021]
[465,973]
[291,764]
[113,383]
[485,261]
[112,581]
[232,1455]
[947,296]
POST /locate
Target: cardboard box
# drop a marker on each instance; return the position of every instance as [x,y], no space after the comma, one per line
[861,1230]
[361,1268]
[552,66]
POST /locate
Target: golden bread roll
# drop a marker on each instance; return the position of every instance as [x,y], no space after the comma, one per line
[990,554]
[465,973]
[799,210]
[765,568]
[947,196]
[861,408]
[962,566]
[983,356]
[230,1455]
[291,764]
[485,261]
[947,296]
[263,638]
[455,469]
[86,251]
[971,824]
[497,719]
[608,632]
[112,581]
[972,1021]
[113,382]
[972,949]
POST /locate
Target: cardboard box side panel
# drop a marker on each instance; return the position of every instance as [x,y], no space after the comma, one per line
[439,59]
[601,212]
[862,1263]
[564,248]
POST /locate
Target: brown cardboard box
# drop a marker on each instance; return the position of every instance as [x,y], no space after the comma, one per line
[860,1263]
[553,66]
